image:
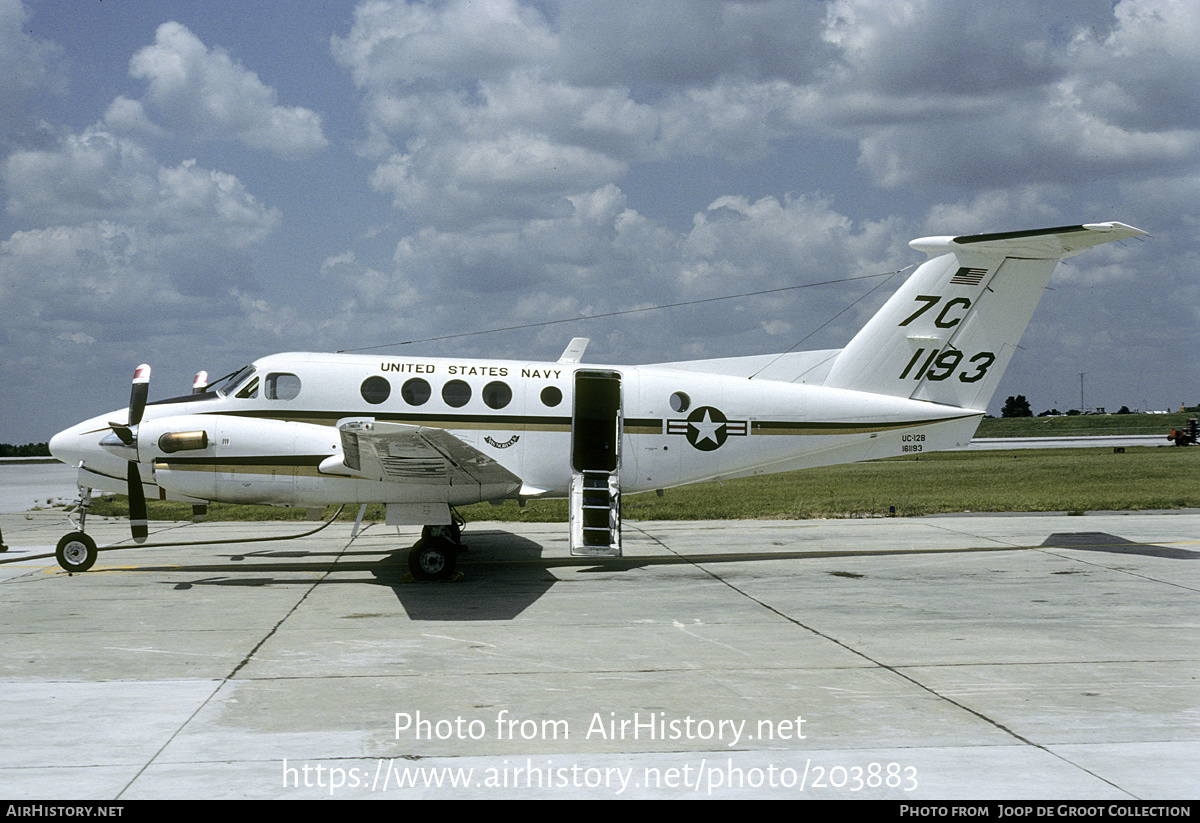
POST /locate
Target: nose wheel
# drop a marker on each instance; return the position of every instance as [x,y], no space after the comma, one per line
[76,552]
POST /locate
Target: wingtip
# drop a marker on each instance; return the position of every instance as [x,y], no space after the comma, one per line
[1124,229]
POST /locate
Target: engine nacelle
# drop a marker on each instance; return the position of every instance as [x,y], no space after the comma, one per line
[235,459]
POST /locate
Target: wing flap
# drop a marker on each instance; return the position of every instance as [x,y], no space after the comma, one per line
[398,453]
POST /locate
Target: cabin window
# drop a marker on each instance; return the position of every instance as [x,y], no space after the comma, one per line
[456,393]
[281,386]
[680,402]
[376,389]
[415,391]
[551,396]
[497,395]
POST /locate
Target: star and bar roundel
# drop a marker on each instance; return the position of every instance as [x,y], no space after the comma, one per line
[707,428]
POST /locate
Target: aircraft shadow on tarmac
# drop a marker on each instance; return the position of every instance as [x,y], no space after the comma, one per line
[1101,542]
[506,573]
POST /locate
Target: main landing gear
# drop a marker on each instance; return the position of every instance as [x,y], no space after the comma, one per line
[435,556]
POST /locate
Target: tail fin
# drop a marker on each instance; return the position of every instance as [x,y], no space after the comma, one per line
[948,333]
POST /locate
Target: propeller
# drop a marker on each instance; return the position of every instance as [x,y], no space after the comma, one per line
[138,393]
[126,446]
[137,505]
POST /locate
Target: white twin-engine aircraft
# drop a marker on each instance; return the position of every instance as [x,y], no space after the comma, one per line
[424,434]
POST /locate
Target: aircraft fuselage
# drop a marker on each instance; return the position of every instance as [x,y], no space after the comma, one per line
[269,436]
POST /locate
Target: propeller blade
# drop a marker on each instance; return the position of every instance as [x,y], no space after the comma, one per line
[138,394]
[137,505]
[123,433]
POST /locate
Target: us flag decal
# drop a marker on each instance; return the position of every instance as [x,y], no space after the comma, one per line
[968,276]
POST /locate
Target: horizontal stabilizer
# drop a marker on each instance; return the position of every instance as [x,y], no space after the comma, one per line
[790,367]
[1035,244]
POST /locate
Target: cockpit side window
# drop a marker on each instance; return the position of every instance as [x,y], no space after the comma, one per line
[281,386]
[250,389]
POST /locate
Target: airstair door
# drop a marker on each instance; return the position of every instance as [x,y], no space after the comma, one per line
[595,499]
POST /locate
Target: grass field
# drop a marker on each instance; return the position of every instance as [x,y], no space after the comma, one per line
[1083,424]
[1023,480]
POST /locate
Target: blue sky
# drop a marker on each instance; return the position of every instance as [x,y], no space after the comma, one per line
[196,185]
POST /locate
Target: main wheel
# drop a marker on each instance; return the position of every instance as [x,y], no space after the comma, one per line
[432,560]
[76,552]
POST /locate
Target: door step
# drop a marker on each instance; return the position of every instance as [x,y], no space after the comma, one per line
[595,514]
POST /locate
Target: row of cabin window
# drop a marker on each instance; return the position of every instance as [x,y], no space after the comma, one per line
[416,391]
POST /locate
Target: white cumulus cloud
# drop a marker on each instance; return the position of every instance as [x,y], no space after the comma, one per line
[203,92]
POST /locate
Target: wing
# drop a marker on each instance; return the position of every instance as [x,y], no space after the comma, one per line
[396,453]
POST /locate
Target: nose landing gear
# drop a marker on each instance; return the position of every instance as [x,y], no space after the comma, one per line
[76,552]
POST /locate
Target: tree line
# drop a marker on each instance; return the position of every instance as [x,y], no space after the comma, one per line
[28,450]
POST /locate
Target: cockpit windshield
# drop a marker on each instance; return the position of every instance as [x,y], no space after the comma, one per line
[230,384]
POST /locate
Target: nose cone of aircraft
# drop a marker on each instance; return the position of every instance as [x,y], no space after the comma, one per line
[65,446]
[80,445]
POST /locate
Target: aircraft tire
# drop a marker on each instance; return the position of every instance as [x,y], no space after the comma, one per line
[76,552]
[432,560]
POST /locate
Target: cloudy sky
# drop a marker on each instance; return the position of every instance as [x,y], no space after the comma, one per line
[194,185]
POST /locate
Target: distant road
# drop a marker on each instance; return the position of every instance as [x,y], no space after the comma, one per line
[1069,442]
